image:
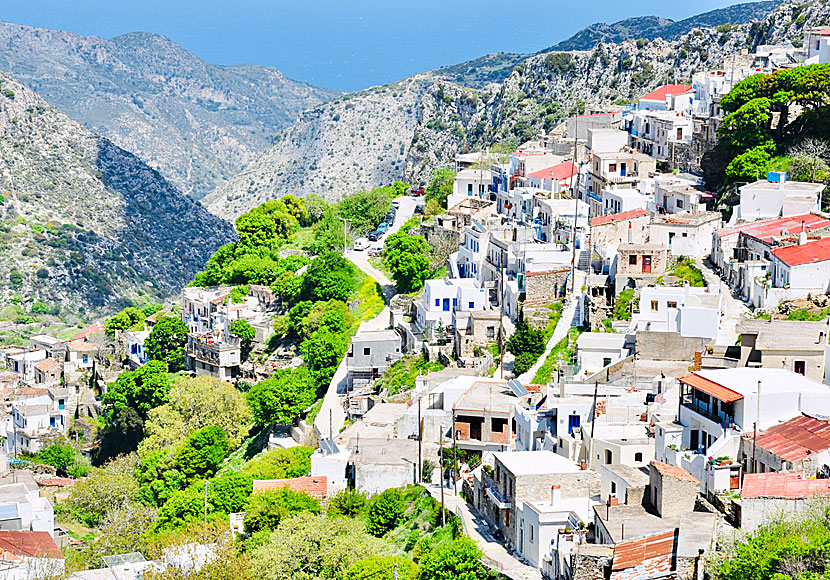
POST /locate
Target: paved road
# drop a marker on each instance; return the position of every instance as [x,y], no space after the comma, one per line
[331,418]
[479,530]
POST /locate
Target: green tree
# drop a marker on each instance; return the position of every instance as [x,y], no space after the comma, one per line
[282,398]
[407,259]
[203,452]
[310,547]
[123,431]
[158,476]
[266,509]
[167,342]
[266,225]
[329,277]
[440,186]
[246,333]
[383,568]
[323,352]
[457,560]
[40,307]
[295,206]
[105,490]
[66,459]
[347,502]
[193,404]
[280,464]
[142,389]
[125,320]
[385,512]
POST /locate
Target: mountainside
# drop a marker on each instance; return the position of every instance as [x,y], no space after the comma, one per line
[407,129]
[480,72]
[85,224]
[197,123]
[651,27]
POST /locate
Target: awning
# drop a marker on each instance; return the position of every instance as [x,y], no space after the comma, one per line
[711,388]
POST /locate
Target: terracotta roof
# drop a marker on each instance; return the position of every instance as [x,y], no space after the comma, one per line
[618,217]
[822,32]
[313,486]
[82,346]
[809,253]
[765,230]
[89,330]
[558,172]
[673,472]
[30,392]
[711,388]
[647,557]
[795,439]
[17,545]
[56,482]
[667,90]
[47,364]
[782,486]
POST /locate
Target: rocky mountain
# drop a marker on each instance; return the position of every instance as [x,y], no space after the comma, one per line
[196,123]
[405,130]
[651,27]
[85,225]
[480,72]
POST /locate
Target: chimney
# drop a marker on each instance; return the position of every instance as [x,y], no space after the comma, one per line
[555,494]
[630,234]
[802,237]
[613,500]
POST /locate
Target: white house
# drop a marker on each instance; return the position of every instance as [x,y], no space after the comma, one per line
[776,196]
[471,183]
[623,200]
[35,419]
[670,97]
[24,363]
[597,350]
[135,346]
[28,555]
[817,43]
[555,178]
[686,234]
[443,296]
[602,140]
[693,312]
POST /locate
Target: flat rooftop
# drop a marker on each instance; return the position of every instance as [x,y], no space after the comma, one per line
[535,462]
[786,334]
[600,340]
[488,396]
[697,529]
[384,451]
[633,476]
[744,380]
[787,186]
[689,218]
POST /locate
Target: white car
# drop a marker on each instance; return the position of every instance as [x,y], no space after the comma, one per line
[375,251]
[361,244]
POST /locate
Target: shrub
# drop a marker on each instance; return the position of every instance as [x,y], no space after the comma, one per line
[385,512]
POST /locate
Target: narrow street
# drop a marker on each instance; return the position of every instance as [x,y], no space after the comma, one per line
[733,308]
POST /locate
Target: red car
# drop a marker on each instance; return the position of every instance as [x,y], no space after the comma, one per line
[417,192]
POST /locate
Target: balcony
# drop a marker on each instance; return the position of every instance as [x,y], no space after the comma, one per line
[721,419]
[497,498]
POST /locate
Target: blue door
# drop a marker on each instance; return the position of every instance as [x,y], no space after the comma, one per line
[573,423]
[446,305]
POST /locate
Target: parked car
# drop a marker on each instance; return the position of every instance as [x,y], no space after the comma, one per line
[390,219]
[373,236]
[375,251]
[383,227]
[419,210]
[361,244]
[417,192]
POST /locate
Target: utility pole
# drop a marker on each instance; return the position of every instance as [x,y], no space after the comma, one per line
[593,422]
[345,235]
[454,457]
[420,437]
[501,321]
[441,461]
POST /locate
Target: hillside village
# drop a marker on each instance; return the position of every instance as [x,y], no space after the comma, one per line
[602,353]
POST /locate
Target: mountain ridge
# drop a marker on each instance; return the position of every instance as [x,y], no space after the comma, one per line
[197,123]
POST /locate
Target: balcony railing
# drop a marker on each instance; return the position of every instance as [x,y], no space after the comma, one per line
[719,418]
[500,500]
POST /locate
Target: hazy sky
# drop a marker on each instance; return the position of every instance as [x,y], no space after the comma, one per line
[345,44]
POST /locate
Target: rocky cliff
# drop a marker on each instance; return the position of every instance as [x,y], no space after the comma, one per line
[197,123]
[405,130]
[85,225]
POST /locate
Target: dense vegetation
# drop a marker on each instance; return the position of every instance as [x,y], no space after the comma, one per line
[775,121]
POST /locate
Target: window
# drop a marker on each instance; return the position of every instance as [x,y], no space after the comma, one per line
[606,361]
[612,167]
[437,302]
[491,332]
[680,133]
[609,457]
[655,306]
[638,457]
[469,189]
[531,534]
[632,260]
[61,404]
[613,487]
[800,367]
[685,235]
[680,203]
[454,302]
[367,351]
[671,304]
[86,358]
[472,305]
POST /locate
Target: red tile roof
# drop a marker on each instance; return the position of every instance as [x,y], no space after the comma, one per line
[648,557]
[823,32]
[618,217]
[667,90]
[673,472]
[313,486]
[711,388]
[810,253]
[56,482]
[17,545]
[795,439]
[558,172]
[782,486]
[597,115]
[46,364]
[765,230]
[89,330]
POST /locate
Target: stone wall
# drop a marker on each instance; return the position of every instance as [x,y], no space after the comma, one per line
[653,345]
[545,286]
[673,497]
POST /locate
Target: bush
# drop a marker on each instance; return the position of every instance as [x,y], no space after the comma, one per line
[385,512]
[383,568]
[203,452]
[282,398]
[347,502]
[266,509]
[329,277]
[457,560]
